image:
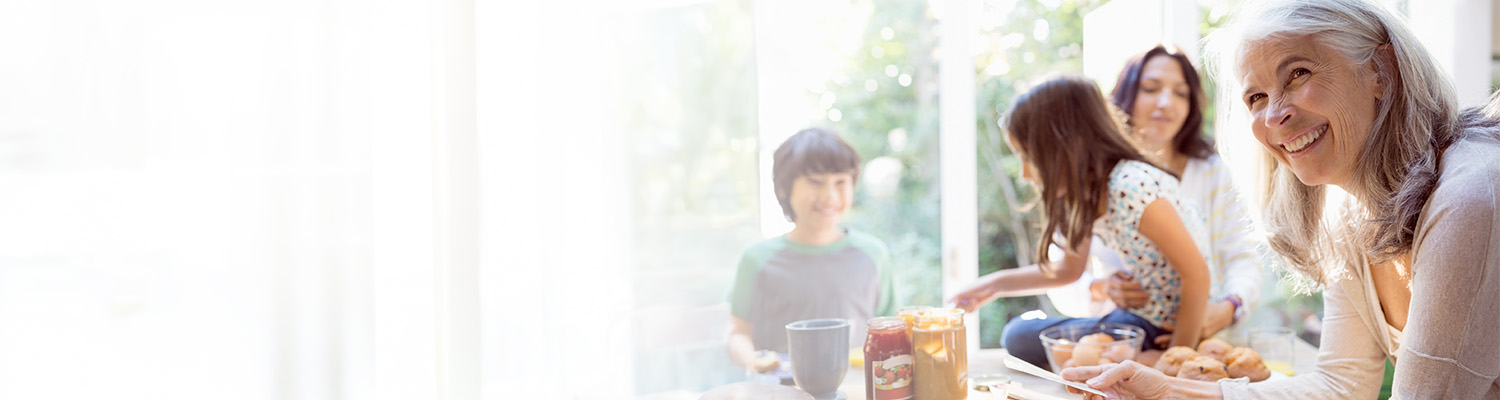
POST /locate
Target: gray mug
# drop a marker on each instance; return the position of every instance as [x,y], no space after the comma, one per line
[819,349]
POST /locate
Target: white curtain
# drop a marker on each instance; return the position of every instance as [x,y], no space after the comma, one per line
[555,195]
[234,200]
[341,199]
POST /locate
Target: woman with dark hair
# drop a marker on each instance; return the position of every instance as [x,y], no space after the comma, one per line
[1164,96]
[1161,92]
[1341,93]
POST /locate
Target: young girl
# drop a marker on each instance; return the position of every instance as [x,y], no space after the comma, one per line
[1094,182]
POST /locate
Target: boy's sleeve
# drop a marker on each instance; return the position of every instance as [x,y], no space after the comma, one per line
[744,283]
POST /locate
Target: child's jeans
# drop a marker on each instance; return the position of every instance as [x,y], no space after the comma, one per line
[1021,336]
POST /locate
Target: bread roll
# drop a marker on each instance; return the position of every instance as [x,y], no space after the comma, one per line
[1172,360]
[1119,352]
[1087,354]
[1215,349]
[1062,352]
[1247,363]
[1203,368]
[1097,338]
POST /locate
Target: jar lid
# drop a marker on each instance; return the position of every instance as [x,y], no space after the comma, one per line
[940,318]
[995,384]
[912,310]
[883,323]
[990,379]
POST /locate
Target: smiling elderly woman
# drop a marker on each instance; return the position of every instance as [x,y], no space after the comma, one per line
[1339,92]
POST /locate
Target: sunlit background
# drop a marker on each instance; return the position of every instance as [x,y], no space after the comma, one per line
[462,199]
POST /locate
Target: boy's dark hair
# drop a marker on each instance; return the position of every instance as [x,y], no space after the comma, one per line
[1189,140]
[810,151]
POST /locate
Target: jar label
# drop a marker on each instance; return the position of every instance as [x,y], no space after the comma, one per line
[892,378]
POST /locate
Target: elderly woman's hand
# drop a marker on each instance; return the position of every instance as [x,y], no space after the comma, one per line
[1128,380]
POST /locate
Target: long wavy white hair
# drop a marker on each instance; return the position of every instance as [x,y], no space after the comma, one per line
[1416,118]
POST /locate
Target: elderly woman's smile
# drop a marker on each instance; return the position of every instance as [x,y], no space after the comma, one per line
[1311,107]
[1301,142]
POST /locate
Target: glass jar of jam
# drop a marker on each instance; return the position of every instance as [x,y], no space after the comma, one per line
[889,367]
[909,313]
[941,353]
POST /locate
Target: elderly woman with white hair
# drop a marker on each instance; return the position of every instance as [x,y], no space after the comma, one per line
[1340,92]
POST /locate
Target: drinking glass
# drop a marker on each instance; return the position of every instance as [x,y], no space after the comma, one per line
[1274,344]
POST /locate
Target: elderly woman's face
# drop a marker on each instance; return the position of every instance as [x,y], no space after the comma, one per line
[1310,107]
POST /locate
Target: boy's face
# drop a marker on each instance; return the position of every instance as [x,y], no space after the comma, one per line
[821,199]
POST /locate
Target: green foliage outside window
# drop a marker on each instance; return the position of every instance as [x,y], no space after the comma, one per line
[895,128]
[1031,41]
[900,122]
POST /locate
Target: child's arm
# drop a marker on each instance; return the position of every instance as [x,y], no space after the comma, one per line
[1161,224]
[742,348]
[1023,281]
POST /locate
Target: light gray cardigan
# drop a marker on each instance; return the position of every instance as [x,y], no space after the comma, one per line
[1451,345]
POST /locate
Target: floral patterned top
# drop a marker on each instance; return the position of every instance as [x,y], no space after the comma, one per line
[1132,186]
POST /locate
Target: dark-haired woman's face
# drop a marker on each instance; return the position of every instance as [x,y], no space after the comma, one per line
[1161,102]
[1311,108]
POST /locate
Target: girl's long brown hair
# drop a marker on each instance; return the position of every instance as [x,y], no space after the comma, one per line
[1065,129]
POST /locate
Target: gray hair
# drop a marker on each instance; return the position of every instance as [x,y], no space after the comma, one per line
[1416,118]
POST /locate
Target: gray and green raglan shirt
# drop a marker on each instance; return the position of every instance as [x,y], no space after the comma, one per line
[780,281]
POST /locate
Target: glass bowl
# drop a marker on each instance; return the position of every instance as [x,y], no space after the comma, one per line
[1089,345]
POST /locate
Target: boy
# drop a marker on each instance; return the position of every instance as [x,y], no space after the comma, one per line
[819,269]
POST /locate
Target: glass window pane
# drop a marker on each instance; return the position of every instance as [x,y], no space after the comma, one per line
[1021,43]
[868,70]
[689,90]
